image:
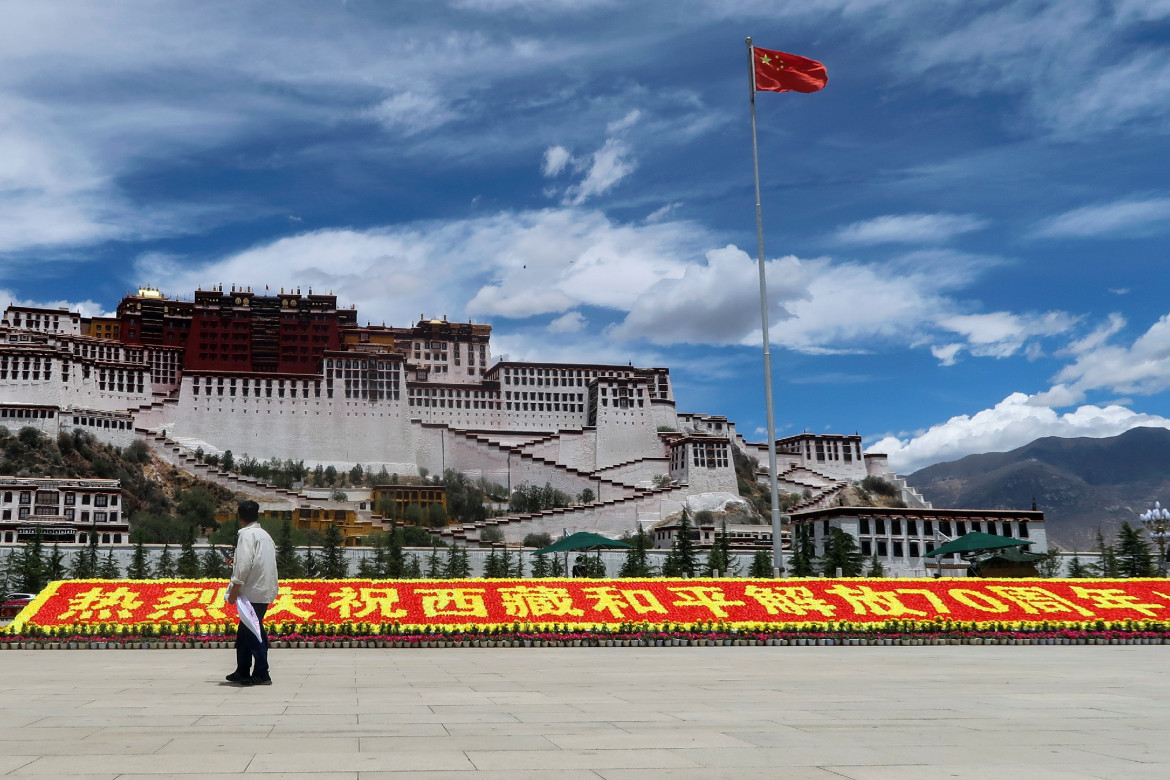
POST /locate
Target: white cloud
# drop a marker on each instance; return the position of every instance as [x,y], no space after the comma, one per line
[1011,423]
[1002,334]
[1118,219]
[946,354]
[1143,368]
[85,308]
[412,112]
[663,212]
[572,322]
[713,303]
[610,164]
[556,158]
[908,229]
[510,264]
[625,123]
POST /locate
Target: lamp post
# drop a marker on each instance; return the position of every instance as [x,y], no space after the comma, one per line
[1157,523]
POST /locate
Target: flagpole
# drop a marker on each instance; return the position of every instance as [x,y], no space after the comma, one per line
[777,542]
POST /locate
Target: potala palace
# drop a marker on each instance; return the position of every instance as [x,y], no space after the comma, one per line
[292,376]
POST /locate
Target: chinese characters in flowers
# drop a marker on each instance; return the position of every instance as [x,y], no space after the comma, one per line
[582,603]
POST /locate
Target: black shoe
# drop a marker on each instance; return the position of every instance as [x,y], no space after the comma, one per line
[239,679]
[265,680]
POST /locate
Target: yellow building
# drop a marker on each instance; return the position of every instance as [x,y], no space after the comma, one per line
[405,495]
[313,518]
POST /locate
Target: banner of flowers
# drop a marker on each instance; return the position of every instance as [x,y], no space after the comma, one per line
[557,606]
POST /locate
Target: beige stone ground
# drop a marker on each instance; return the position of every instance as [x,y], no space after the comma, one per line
[738,712]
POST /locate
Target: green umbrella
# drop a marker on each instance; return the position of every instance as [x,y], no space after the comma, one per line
[975,542]
[583,540]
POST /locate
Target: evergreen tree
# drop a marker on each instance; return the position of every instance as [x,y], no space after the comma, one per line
[1107,564]
[715,561]
[540,567]
[188,564]
[109,569]
[309,565]
[670,564]
[518,572]
[1134,558]
[55,564]
[731,567]
[434,564]
[1049,566]
[557,567]
[491,566]
[29,569]
[1078,570]
[139,568]
[334,566]
[684,547]
[413,568]
[395,558]
[164,567]
[85,562]
[637,562]
[800,562]
[595,567]
[213,566]
[368,568]
[505,563]
[875,568]
[456,566]
[288,563]
[761,565]
[841,553]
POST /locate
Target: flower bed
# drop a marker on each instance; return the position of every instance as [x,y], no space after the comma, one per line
[648,612]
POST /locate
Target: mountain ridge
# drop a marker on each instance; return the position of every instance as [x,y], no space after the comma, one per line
[1081,484]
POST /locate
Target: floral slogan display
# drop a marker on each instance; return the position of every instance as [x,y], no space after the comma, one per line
[586,603]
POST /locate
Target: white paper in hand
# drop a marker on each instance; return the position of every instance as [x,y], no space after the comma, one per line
[247,615]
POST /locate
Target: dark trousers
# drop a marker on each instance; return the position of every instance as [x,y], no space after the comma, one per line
[249,647]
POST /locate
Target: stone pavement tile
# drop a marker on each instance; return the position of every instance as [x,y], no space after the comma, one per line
[360,762]
[461,743]
[506,774]
[577,759]
[796,755]
[255,731]
[477,716]
[225,743]
[34,731]
[363,730]
[90,746]
[13,761]
[962,772]
[664,738]
[991,759]
[1130,771]
[1144,751]
[69,766]
[716,773]
[518,728]
[266,776]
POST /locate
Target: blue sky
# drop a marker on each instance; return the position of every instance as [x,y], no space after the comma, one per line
[966,230]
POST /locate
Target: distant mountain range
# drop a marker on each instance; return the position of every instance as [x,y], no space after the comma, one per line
[1080,484]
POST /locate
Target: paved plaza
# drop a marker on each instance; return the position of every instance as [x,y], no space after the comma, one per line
[737,712]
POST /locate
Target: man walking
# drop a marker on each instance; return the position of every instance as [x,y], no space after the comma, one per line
[254,581]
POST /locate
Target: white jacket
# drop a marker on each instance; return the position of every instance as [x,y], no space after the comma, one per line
[254,569]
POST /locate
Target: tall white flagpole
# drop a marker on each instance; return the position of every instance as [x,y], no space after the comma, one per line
[777,542]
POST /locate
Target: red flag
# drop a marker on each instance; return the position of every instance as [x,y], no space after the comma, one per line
[780,72]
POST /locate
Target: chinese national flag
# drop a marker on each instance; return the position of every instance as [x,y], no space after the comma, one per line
[780,72]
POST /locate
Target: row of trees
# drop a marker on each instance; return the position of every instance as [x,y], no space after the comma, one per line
[1128,555]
